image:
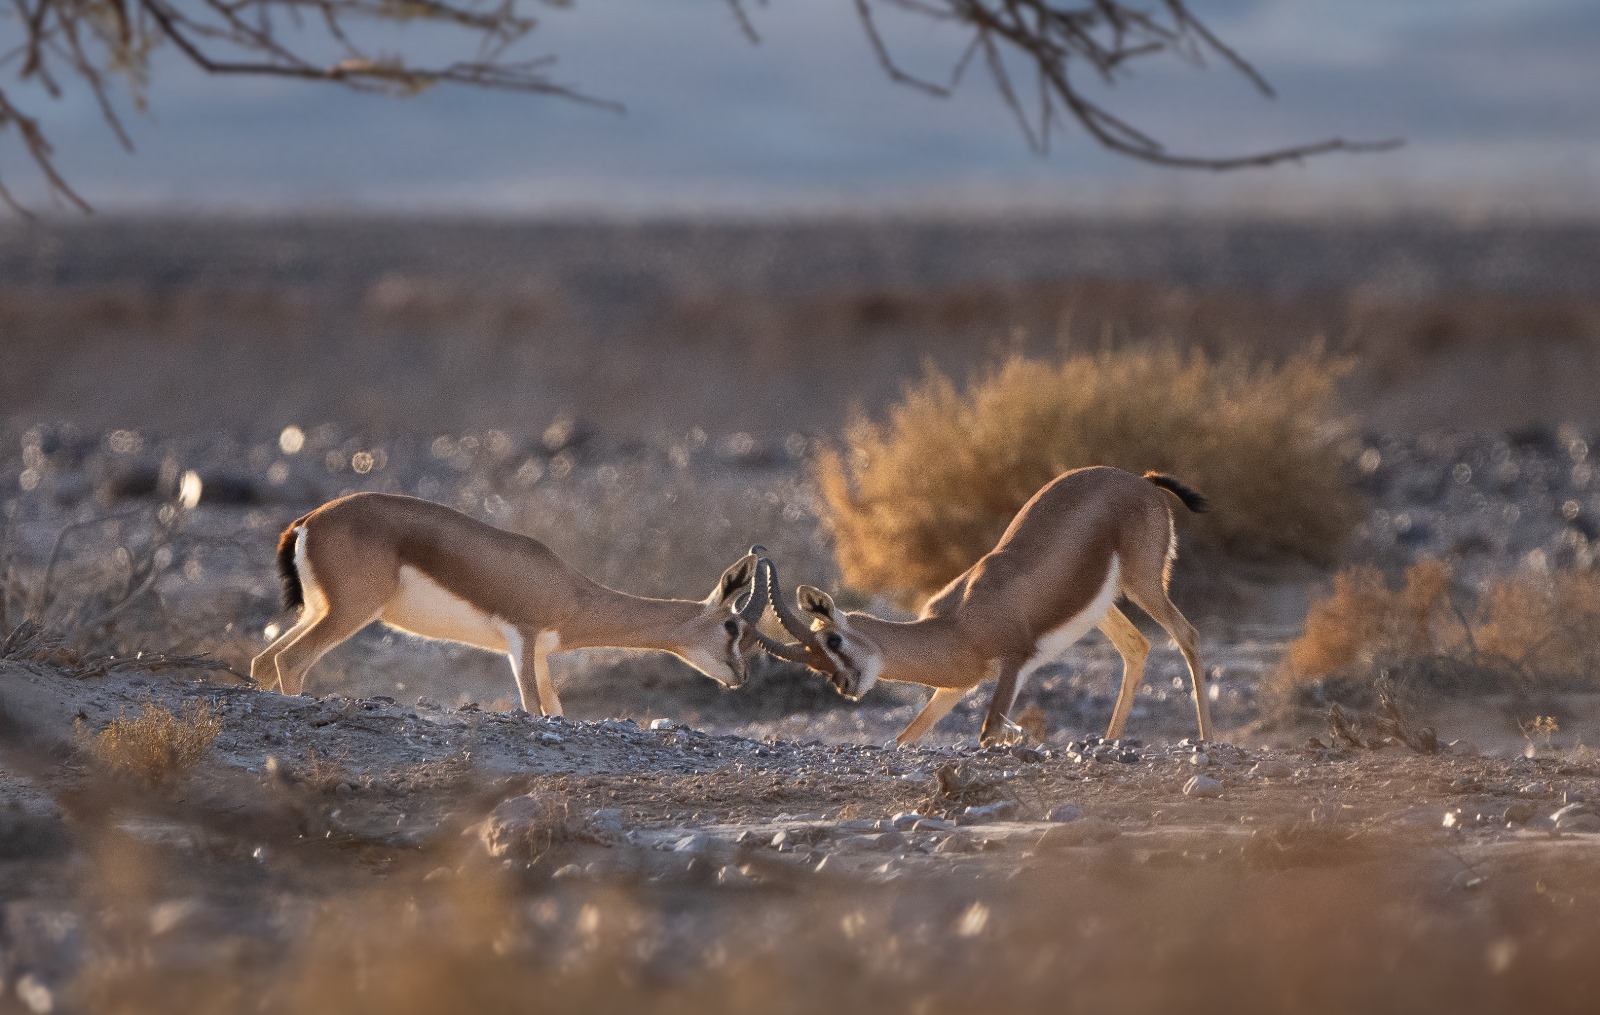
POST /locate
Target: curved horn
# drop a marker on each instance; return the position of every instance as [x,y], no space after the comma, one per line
[754,603]
[804,648]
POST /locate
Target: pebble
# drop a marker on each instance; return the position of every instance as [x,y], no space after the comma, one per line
[1520,813]
[697,842]
[663,724]
[1063,813]
[1200,759]
[1576,818]
[1272,770]
[428,703]
[551,738]
[933,825]
[1202,787]
[905,820]
[885,841]
[1077,833]
[957,842]
[1535,789]
[1000,810]
[571,870]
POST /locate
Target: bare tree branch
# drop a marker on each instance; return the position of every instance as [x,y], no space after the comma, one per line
[107,46]
[1051,37]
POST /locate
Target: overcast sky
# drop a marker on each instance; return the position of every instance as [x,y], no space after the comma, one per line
[1499,101]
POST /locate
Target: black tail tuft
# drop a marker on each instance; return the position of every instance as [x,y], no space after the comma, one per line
[1192,499]
[293,595]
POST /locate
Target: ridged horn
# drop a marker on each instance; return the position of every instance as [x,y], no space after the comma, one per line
[804,648]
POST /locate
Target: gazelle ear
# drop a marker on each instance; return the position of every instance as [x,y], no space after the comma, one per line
[734,580]
[815,602]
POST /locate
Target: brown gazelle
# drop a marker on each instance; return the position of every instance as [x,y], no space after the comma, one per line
[431,571]
[1088,536]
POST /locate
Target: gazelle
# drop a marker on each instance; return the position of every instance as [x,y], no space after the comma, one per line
[431,571]
[1089,535]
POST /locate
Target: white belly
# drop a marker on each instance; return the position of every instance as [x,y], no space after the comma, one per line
[423,607]
[1054,643]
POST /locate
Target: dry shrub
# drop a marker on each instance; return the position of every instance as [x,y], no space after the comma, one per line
[1550,623]
[1517,633]
[1364,618]
[914,500]
[158,744]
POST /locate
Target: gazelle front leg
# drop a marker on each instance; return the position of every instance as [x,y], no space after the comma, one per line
[530,665]
[995,724]
[938,706]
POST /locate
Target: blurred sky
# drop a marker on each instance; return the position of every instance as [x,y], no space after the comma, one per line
[1499,101]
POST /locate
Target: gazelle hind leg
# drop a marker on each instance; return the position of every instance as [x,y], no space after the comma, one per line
[1134,649]
[264,667]
[320,636]
[1177,625]
[938,706]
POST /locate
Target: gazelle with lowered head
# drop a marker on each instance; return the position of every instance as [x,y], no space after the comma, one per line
[1088,536]
[425,569]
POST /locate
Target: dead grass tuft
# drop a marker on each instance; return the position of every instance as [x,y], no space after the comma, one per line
[915,499]
[158,745]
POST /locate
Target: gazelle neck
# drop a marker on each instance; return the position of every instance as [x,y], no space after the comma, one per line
[606,617]
[930,650]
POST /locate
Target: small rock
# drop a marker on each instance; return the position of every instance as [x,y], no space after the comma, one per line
[1027,755]
[428,703]
[1064,813]
[696,842]
[957,842]
[36,994]
[439,874]
[885,841]
[1576,818]
[733,876]
[1268,769]
[1200,759]
[1128,756]
[1457,819]
[1520,813]
[1535,789]
[1000,810]
[854,844]
[663,724]
[551,738]
[1077,833]
[569,871]
[523,827]
[604,827]
[933,825]
[1202,787]
[905,820]
[1570,797]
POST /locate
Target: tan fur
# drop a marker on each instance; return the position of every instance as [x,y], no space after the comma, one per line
[431,571]
[1045,572]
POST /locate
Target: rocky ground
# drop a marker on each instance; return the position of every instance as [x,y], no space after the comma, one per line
[411,765]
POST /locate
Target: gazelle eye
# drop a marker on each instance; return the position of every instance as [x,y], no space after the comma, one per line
[834,642]
[731,626]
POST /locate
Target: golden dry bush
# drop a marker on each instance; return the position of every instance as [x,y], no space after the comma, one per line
[1548,623]
[1515,633]
[158,744]
[1364,618]
[914,499]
